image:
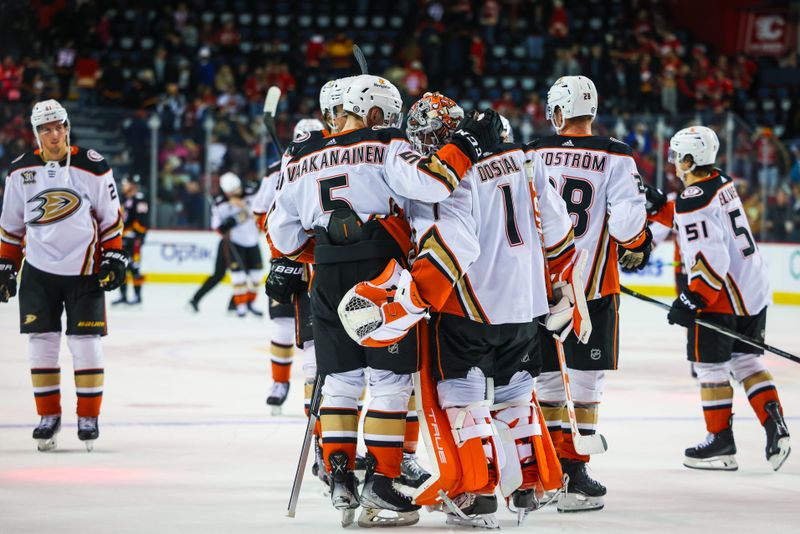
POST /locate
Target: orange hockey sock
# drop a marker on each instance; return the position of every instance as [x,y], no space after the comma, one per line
[717,400]
[89,389]
[47,390]
[412,427]
[383,435]
[281,358]
[760,390]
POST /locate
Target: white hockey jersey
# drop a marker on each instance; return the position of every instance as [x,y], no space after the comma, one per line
[717,247]
[369,170]
[64,218]
[245,232]
[265,196]
[604,195]
[507,281]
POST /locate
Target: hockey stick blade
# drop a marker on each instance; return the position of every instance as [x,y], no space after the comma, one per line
[271,101]
[589,445]
[360,59]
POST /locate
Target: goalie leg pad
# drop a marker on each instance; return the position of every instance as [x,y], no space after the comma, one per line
[515,420]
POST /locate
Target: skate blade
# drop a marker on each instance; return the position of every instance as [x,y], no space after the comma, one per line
[277,410]
[574,502]
[348,517]
[715,463]
[522,514]
[89,445]
[370,517]
[589,445]
[777,460]
[485,521]
[44,445]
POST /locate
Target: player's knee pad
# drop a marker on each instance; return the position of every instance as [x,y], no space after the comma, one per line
[462,391]
[43,350]
[713,373]
[519,387]
[550,389]
[283,330]
[586,386]
[343,389]
[254,278]
[390,391]
[87,352]
[744,365]
[309,361]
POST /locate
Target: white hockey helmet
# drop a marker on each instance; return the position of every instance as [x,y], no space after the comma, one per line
[576,96]
[366,92]
[48,111]
[325,97]
[699,142]
[508,134]
[305,127]
[229,183]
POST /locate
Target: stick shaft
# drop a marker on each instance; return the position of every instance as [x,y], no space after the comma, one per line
[313,411]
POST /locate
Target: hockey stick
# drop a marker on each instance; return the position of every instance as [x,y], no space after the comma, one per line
[270,108]
[721,329]
[313,416]
[360,59]
[584,444]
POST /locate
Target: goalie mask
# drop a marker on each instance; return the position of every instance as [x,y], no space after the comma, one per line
[699,142]
[575,96]
[431,122]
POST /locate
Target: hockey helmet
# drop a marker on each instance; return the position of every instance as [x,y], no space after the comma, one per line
[229,183]
[508,134]
[576,96]
[325,100]
[305,127]
[45,112]
[699,142]
[431,121]
[366,92]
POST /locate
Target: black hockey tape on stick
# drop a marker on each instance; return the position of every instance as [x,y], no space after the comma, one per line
[313,416]
[360,59]
[721,329]
[270,108]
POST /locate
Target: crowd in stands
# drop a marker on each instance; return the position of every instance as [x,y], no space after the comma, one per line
[191,60]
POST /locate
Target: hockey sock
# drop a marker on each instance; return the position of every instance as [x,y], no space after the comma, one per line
[760,390]
[586,415]
[717,400]
[89,389]
[552,416]
[339,428]
[47,390]
[383,435]
[281,358]
[412,427]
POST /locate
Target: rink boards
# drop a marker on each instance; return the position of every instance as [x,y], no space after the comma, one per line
[171,256]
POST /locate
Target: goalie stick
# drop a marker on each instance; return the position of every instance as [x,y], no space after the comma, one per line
[313,416]
[360,59]
[270,108]
[721,329]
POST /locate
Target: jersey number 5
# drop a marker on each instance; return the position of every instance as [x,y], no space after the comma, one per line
[742,231]
[577,194]
[326,188]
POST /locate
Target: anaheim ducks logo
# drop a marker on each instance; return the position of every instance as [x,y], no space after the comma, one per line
[54,205]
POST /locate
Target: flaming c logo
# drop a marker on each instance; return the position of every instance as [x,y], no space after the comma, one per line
[54,205]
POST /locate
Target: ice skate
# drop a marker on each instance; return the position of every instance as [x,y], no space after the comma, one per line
[582,492]
[45,433]
[471,510]
[524,501]
[318,467]
[716,453]
[411,473]
[88,431]
[344,488]
[382,504]
[137,301]
[778,443]
[277,396]
[255,311]
[121,300]
[192,306]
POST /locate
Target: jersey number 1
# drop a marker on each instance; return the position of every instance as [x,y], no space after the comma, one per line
[512,232]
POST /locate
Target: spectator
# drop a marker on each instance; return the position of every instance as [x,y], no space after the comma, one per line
[65,69]
[10,80]
[87,71]
[415,81]
[315,49]
[340,52]
[558,26]
[780,216]
[490,16]
[477,56]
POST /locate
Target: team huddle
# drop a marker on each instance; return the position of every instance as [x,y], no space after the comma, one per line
[469,283]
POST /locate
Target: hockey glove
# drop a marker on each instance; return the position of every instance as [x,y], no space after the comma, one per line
[475,136]
[684,308]
[113,264]
[655,199]
[285,280]
[635,259]
[381,311]
[568,311]
[8,279]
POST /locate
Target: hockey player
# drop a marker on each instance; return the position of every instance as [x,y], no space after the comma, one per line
[727,285]
[232,215]
[599,182]
[487,328]
[358,179]
[287,323]
[62,202]
[135,210]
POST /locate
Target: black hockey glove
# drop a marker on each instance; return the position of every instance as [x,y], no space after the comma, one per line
[476,135]
[8,279]
[655,199]
[285,280]
[635,259]
[684,308]
[113,264]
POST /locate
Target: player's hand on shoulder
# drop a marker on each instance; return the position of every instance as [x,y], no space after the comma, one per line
[285,280]
[684,308]
[476,135]
[8,279]
[113,264]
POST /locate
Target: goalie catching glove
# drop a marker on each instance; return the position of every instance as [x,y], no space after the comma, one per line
[381,311]
[113,264]
[8,279]
[568,311]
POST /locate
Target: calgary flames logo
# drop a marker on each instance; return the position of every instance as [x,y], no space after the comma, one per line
[54,205]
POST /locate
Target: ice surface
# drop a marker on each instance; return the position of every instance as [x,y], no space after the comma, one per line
[187,443]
